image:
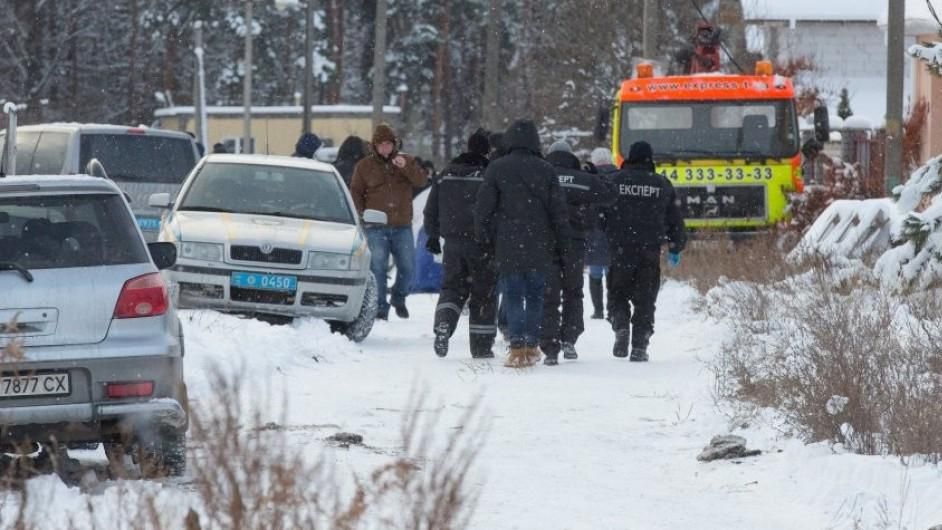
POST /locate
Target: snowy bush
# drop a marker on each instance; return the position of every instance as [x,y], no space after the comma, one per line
[840,358]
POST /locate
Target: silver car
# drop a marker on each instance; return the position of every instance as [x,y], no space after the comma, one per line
[270,235]
[142,160]
[91,350]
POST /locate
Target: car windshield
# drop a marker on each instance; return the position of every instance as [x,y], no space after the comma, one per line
[139,157]
[39,152]
[714,128]
[64,231]
[268,190]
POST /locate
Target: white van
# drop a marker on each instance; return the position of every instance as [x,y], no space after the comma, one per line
[142,161]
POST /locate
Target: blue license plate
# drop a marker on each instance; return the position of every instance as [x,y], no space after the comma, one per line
[148,223]
[265,282]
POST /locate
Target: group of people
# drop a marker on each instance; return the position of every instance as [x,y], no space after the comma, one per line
[518,227]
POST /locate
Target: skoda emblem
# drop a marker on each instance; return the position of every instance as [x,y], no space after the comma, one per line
[267,248]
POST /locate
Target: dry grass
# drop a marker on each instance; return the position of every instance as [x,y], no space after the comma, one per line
[841,359]
[246,475]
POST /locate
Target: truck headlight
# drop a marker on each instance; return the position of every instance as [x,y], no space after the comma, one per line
[328,261]
[201,251]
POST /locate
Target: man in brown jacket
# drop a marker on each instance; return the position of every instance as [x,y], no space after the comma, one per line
[384,181]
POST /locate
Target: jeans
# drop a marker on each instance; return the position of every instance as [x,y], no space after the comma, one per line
[398,241]
[523,299]
[597,272]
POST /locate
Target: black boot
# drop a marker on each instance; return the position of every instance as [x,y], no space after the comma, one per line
[569,351]
[482,347]
[638,355]
[441,341]
[595,291]
[639,347]
[401,311]
[622,343]
[550,360]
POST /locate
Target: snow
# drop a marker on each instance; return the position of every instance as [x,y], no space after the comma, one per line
[858,121]
[597,443]
[286,109]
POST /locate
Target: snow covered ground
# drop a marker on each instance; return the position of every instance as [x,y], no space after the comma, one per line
[597,443]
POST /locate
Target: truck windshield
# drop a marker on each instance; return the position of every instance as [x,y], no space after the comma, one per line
[688,130]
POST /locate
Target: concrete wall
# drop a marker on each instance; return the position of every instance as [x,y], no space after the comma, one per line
[277,134]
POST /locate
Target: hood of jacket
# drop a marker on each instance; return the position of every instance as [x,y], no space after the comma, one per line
[522,135]
[470,159]
[353,148]
[564,160]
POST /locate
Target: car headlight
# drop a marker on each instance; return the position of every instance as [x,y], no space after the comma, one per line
[329,261]
[201,251]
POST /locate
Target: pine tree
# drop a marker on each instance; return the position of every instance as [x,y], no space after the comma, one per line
[843,108]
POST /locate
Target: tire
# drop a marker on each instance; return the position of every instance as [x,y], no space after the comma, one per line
[358,329]
[164,457]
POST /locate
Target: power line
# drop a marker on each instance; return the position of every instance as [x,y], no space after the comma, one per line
[933,13]
[722,44]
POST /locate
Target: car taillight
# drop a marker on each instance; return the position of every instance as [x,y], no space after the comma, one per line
[128,390]
[144,296]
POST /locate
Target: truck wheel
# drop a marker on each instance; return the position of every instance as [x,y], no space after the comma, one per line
[358,329]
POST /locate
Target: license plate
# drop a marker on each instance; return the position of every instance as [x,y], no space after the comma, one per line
[148,223]
[265,282]
[35,385]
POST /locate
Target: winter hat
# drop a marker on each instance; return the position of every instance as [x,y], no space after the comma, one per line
[640,152]
[478,144]
[383,133]
[560,145]
[307,145]
[601,156]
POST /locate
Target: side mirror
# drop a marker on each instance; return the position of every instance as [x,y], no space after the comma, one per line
[159,200]
[95,169]
[822,124]
[812,148]
[163,254]
[375,217]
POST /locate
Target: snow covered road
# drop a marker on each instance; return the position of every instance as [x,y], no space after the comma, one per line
[599,443]
[596,443]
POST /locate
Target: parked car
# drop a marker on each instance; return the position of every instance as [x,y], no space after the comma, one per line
[269,235]
[143,161]
[91,350]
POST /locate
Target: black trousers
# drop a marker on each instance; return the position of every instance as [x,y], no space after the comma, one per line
[564,288]
[634,282]
[467,275]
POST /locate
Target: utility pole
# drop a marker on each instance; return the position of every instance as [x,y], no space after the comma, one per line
[199,86]
[247,86]
[308,67]
[491,65]
[379,63]
[10,110]
[896,28]
[649,35]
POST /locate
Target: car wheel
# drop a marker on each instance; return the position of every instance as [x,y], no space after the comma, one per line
[360,328]
[163,457]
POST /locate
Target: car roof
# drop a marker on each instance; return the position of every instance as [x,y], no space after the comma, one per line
[56,183]
[271,160]
[103,128]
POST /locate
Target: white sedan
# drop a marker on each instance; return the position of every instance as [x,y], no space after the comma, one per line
[271,235]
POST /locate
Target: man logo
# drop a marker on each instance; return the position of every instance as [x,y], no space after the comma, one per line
[267,248]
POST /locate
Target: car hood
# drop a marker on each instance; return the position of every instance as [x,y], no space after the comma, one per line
[211,227]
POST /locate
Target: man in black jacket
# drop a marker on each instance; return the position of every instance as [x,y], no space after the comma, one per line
[468,270]
[583,192]
[646,210]
[521,211]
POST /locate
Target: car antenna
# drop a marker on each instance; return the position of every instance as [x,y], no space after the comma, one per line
[267,150]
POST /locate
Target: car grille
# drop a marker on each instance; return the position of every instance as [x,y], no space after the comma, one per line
[323,300]
[277,255]
[256,296]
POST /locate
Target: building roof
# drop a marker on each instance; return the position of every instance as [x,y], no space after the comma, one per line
[859,10]
[290,110]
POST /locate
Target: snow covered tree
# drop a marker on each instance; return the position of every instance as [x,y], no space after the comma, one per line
[843,106]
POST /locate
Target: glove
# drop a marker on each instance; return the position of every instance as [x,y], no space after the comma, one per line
[673,259]
[434,246]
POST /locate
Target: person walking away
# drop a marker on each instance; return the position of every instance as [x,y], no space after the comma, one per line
[646,210]
[597,253]
[521,213]
[351,151]
[564,286]
[384,181]
[468,269]
[307,145]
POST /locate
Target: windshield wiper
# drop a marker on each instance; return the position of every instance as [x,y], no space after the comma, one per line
[12,266]
[186,208]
